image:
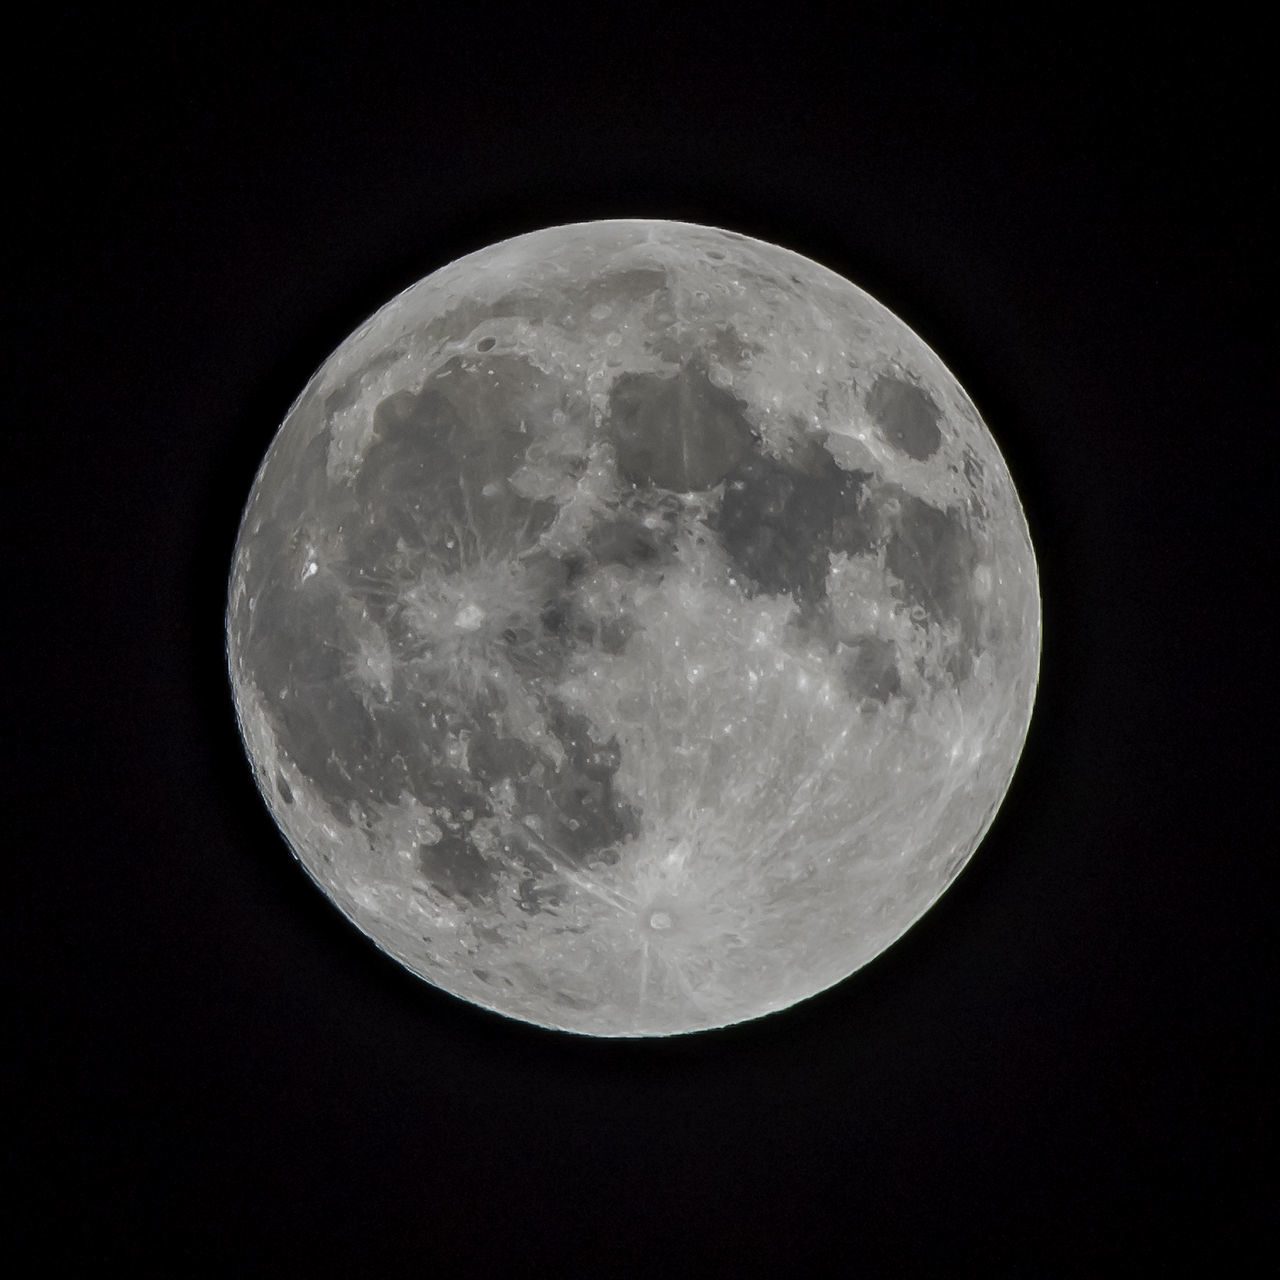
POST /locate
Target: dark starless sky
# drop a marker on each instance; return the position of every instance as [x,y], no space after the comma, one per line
[1063,1064]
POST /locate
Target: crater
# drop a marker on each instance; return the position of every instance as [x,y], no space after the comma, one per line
[907,416]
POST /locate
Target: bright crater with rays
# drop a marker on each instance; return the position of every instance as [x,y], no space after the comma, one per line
[633,628]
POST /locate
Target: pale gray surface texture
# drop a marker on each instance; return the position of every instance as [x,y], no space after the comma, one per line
[633,628]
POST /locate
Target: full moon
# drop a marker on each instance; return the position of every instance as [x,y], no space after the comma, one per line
[633,628]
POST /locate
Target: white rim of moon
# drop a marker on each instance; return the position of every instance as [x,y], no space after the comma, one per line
[633,628]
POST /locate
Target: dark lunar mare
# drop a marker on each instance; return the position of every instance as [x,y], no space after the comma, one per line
[781,519]
[675,431]
[568,301]
[907,416]
[430,502]
[870,669]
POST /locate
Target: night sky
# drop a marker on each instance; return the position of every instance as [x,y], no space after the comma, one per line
[1063,1067]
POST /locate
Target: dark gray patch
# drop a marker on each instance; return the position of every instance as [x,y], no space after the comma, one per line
[493,758]
[456,867]
[907,416]
[618,288]
[660,512]
[561,303]
[974,473]
[353,386]
[870,669]
[629,543]
[677,432]
[434,454]
[296,655]
[359,756]
[565,625]
[460,321]
[779,521]
[286,792]
[564,619]
[613,633]
[931,551]
[491,935]
[413,738]
[533,897]
[730,347]
[535,653]
[576,816]
[582,816]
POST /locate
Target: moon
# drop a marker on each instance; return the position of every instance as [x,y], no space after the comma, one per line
[633,628]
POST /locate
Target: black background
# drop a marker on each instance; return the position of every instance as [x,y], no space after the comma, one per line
[1063,1065]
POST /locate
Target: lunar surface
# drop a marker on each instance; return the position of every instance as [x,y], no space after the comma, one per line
[633,628]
